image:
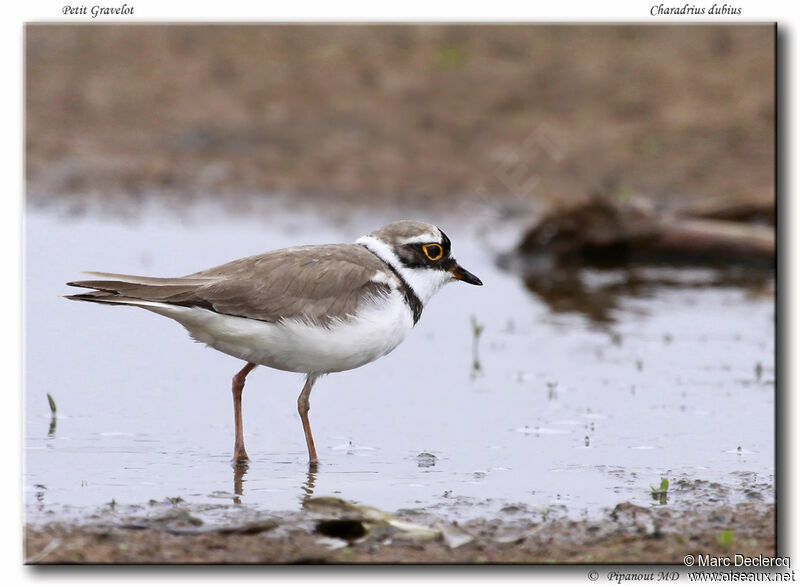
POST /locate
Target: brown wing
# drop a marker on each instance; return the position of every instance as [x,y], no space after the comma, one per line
[316,283]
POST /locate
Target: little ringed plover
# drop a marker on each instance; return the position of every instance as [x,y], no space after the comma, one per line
[313,309]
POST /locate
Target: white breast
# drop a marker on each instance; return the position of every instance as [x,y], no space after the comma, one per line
[294,345]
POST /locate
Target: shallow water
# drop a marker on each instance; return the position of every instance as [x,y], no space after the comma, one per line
[567,412]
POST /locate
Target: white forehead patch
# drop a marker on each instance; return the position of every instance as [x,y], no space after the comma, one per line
[426,237]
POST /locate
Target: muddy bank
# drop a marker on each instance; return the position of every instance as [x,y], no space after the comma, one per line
[412,113]
[627,534]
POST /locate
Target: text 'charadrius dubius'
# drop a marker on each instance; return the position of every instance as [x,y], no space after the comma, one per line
[313,309]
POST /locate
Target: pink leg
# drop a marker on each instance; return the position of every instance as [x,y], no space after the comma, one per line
[303,406]
[239,453]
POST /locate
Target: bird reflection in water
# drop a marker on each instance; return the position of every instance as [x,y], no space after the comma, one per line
[307,488]
[239,469]
[311,480]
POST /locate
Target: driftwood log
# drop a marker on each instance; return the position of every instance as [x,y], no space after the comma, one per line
[609,232]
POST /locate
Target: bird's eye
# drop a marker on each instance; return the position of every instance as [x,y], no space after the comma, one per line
[433,251]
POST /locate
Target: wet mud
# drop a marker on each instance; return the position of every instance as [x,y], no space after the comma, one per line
[168,533]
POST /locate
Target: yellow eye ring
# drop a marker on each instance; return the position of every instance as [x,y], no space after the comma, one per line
[433,251]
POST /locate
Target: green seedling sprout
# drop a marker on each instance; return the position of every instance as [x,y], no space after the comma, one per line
[52,430]
[725,539]
[660,493]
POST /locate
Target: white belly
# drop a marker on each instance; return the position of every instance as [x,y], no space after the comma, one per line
[293,345]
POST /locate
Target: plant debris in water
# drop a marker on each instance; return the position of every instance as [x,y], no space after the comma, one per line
[477,330]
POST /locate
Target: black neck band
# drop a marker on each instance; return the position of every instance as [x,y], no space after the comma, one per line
[413,302]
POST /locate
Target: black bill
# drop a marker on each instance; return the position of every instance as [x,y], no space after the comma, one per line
[463,275]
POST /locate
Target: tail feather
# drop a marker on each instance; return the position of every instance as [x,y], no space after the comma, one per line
[161,293]
[136,290]
[144,280]
[101,297]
